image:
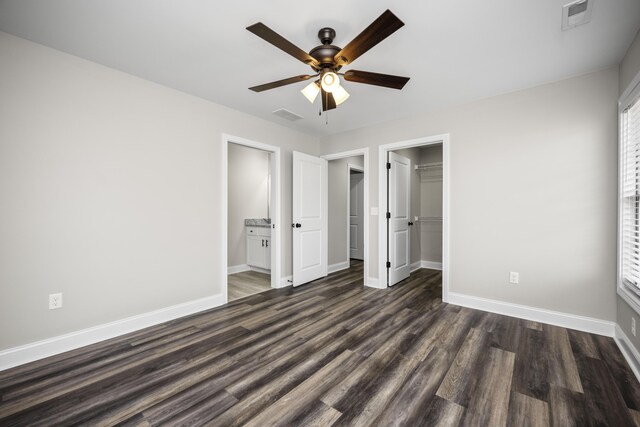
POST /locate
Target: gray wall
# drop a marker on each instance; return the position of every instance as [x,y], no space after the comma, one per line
[533,190]
[111,192]
[629,68]
[630,65]
[248,196]
[338,207]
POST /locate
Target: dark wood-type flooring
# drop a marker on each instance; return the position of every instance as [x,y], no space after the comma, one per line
[333,353]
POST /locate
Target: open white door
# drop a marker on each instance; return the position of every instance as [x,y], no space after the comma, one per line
[399,221]
[356,215]
[310,224]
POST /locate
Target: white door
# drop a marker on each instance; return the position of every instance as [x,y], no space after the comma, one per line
[399,208]
[356,215]
[310,180]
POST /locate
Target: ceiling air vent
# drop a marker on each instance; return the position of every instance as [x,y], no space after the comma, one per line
[287,115]
[576,13]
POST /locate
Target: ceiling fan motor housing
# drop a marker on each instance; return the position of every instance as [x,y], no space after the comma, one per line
[325,53]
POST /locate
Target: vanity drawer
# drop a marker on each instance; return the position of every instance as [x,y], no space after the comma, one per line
[259,231]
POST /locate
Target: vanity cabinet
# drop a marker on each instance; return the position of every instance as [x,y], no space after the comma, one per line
[259,247]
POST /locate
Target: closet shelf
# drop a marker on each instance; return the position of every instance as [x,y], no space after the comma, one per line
[428,166]
[429,218]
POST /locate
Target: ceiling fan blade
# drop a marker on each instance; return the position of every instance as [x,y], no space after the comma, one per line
[384,80]
[380,29]
[328,103]
[279,83]
[281,43]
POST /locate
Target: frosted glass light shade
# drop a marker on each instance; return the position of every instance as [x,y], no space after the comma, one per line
[311,91]
[330,81]
[340,95]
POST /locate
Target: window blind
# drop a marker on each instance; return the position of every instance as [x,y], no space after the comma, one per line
[630,196]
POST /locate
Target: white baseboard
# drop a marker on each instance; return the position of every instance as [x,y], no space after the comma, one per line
[415,266]
[237,269]
[431,265]
[571,321]
[338,266]
[51,346]
[259,270]
[628,351]
[285,281]
[373,282]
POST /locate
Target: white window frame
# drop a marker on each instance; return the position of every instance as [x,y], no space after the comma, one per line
[628,98]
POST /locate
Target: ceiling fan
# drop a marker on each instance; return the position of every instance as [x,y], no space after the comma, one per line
[326,61]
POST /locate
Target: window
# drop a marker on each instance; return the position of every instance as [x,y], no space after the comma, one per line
[630,195]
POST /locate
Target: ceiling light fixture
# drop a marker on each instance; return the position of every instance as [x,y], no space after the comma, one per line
[340,95]
[326,61]
[330,81]
[311,91]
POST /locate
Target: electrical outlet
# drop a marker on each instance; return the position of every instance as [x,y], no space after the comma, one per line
[514,277]
[55,301]
[633,326]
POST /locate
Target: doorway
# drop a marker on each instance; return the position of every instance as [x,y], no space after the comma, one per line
[414,203]
[348,212]
[355,212]
[252,232]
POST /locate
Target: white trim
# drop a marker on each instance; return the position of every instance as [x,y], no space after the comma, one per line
[62,343]
[431,265]
[286,281]
[631,93]
[338,266]
[373,282]
[415,266]
[238,269]
[260,270]
[566,320]
[365,153]
[275,206]
[382,201]
[628,350]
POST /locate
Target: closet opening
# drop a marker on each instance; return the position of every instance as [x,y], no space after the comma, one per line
[414,209]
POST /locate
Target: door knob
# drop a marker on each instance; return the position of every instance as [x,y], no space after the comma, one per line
[298,225]
[410,223]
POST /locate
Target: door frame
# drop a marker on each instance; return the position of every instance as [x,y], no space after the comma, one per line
[358,168]
[274,207]
[365,153]
[382,201]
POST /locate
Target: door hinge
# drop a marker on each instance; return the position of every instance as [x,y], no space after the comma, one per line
[388,215]
[388,165]
[388,264]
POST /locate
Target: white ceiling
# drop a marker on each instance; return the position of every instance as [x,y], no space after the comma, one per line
[454,51]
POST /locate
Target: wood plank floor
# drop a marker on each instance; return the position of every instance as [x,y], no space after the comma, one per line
[333,353]
[247,283]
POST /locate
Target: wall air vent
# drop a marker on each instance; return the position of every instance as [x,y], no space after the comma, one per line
[287,115]
[576,13]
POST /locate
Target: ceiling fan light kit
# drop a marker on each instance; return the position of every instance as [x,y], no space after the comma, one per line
[326,60]
[329,81]
[311,91]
